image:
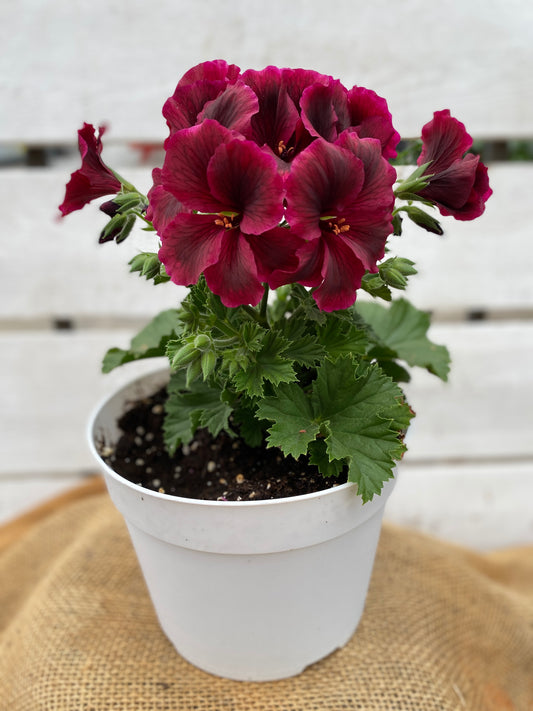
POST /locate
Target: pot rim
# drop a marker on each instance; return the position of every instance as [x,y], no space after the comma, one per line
[159,374]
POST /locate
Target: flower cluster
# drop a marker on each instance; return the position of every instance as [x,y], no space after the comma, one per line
[283,176]
[284,179]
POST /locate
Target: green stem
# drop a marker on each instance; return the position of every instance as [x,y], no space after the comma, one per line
[264,305]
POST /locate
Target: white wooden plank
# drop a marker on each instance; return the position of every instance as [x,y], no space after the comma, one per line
[51,381]
[484,410]
[57,267]
[480,506]
[69,62]
[483,264]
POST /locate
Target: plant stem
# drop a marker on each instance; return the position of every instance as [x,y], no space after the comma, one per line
[264,305]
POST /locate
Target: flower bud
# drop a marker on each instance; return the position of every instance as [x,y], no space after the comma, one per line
[118,228]
[202,342]
[194,371]
[208,362]
[422,219]
[183,356]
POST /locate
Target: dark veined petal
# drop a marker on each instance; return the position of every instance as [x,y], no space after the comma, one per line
[297,80]
[182,109]
[275,251]
[234,276]
[444,140]
[324,180]
[163,207]
[188,153]
[370,215]
[371,118]
[215,70]
[309,270]
[189,244]
[276,120]
[233,108]
[342,272]
[245,180]
[459,183]
[94,179]
[325,109]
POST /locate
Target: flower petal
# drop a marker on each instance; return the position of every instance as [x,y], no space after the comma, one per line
[245,180]
[189,244]
[94,179]
[234,276]
[163,206]
[324,179]
[370,215]
[325,109]
[188,153]
[276,120]
[215,70]
[459,184]
[342,273]
[233,108]
[371,118]
[444,140]
[275,251]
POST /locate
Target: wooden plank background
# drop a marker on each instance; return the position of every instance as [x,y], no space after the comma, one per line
[468,475]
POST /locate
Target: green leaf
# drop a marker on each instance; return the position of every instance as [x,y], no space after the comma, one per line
[149,266]
[318,455]
[188,409]
[366,415]
[403,328]
[292,412]
[150,342]
[340,337]
[250,428]
[266,364]
[358,412]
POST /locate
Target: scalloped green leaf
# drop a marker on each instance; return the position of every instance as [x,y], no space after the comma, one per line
[402,328]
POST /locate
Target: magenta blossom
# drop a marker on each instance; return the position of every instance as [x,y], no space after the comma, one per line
[278,124]
[340,200]
[211,90]
[458,182]
[328,110]
[94,179]
[163,207]
[235,195]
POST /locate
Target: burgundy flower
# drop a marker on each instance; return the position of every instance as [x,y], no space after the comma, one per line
[235,195]
[277,124]
[94,179]
[459,183]
[211,90]
[163,207]
[328,110]
[340,200]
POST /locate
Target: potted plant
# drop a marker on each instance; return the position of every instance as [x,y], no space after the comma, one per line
[253,471]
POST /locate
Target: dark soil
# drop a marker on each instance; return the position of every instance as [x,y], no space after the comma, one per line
[221,468]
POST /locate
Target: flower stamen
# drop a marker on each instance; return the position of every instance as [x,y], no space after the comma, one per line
[283,151]
[339,226]
[225,221]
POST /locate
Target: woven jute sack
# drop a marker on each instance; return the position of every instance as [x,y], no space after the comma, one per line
[443,629]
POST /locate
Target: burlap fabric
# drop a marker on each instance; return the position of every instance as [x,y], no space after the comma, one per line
[444,629]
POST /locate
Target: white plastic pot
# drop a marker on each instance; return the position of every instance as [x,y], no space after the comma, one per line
[252,590]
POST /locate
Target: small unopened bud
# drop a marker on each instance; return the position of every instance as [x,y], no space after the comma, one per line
[202,341]
[118,228]
[422,219]
[208,362]
[183,356]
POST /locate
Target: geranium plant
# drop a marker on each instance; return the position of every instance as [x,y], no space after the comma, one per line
[278,203]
